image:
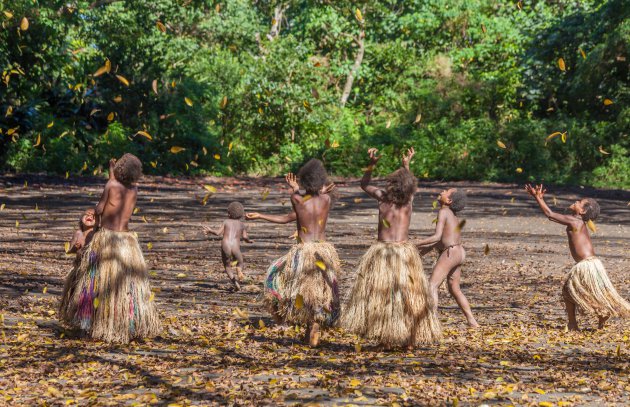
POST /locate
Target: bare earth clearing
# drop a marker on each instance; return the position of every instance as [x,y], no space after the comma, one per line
[220,347]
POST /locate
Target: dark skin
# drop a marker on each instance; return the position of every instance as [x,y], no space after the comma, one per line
[448,238]
[393,220]
[83,236]
[232,231]
[580,243]
[117,203]
[310,211]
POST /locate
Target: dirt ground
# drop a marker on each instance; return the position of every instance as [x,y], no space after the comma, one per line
[221,347]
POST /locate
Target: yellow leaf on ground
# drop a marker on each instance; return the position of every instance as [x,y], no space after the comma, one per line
[540,391]
[355,383]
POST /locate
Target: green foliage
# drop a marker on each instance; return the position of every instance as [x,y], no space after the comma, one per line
[237,87]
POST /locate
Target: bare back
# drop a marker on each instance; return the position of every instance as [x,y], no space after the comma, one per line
[312,216]
[233,230]
[393,221]
[579,241]
[116,206]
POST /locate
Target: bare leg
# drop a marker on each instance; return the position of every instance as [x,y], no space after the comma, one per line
[441,269]
[570,306]
[226,257]
[602,321]
[454,279]
[239,264]
[313,334]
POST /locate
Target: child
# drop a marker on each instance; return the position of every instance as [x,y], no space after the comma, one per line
[232,231]
[587,286]
[110,299]
[83,235]
[390,301]
[448,240]
[301,287]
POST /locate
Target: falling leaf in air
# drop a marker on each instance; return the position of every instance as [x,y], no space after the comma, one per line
[153,164]
[582,53]
[152,296]
[224,102]
[39,141]
[24,24]
[461,224]
[210,188]
[434,204]
[608,102]
[176,149]
[561,64]
[154,86]
[45,290]
[601,150]
[145,134]
[123,80]
[486,250]
[117,99]
[358,15]
[386,223]
[8,14]
[110,116]
[417,119]
[96,302]
[320,265]
[265,194]
[563,137]
[299,301]
[483,28]
[66,247]
[334,144]
[519,170]
[501,144]
[160,26]
[217,156]
[305,198]
[50,124]
[591,225]
[9,111]
[205,150]
[217,8]
[188,101]
[181,275]
[17,224]
[552,135]
[358,200]
[103,69]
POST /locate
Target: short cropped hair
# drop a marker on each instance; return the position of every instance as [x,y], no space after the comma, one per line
[401,186]
[235,210]
[312,176]
[458,200]
[128,169]
[591,209]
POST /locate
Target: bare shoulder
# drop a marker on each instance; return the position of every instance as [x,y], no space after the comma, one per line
[446,213]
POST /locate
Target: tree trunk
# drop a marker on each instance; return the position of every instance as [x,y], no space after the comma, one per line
[276,22]
[358,59]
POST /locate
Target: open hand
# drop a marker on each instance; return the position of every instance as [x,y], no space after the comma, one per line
[252,215]
[373,157]
[326,189]
[292,181]
[294,236]
[406,159]
[206,230]
[537,191]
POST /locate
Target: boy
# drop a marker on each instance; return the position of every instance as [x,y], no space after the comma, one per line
[232,231]
[83,235]
[301,287]
[587,286]
[390,301]
[448,240]
[111,297]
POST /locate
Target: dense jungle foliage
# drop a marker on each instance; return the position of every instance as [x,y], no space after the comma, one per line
[484,89]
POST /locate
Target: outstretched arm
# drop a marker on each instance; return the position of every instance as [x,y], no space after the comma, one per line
[371,190]
[218,232]
[538,192]
[289,217]
[437,235]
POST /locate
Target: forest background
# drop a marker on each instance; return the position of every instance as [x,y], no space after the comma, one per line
[484,90]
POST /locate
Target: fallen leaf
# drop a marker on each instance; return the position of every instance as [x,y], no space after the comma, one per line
[486,250]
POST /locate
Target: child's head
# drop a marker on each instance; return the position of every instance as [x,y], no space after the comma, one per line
[401,185]
[235,210]
[88,220]
[312,176]
[453,198]
[128,169]
[587,208]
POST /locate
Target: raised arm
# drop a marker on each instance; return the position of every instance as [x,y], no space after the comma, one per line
[112,164]
[538,192]
[289,217]
[407,158]
[292,181]
[371,190]
[437,235]
[100,207]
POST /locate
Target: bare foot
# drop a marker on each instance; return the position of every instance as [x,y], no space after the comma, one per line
[602,321]
[241,276]
[473,324]
[237,286]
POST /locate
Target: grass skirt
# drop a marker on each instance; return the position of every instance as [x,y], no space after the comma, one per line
[587,285]
[391,301]
[107,293]
[301,286]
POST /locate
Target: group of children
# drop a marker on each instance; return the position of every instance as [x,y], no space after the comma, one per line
[392,302]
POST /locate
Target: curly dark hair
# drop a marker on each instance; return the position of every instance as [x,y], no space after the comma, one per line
[401,185]
[128,169]
[591,209]
[312,176]
[235,210]
[458,200]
